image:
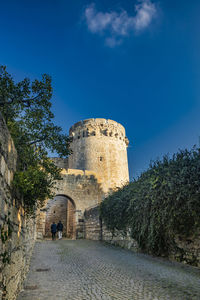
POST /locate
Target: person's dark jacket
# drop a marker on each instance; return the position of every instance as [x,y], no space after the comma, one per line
[59,226]
[53,228]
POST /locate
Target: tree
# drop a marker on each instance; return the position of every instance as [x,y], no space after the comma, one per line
[26,107]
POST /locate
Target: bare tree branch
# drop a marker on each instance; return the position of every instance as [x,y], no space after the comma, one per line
[39,140]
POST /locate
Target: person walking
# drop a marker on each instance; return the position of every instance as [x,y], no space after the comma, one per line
[53,231]
[60,230]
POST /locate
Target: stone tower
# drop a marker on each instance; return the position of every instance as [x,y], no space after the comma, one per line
[100,145]
[98,165]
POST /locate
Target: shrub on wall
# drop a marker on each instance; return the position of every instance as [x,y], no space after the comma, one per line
[163,202]
[114,209]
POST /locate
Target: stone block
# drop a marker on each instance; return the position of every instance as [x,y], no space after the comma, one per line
[17,249]
[3,166]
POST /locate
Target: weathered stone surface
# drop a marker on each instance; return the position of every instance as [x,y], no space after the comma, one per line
[16,248]
[61,162]
[61,209]
[98,164]
[185,250]
[100,145]
[95,230]
[93,225]
[81,189]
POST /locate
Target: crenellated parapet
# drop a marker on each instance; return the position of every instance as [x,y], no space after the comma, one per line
[97,128]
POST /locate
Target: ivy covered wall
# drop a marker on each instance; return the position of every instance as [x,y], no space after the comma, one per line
[161,209]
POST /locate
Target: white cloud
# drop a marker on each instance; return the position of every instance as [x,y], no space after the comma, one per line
[112,42]
[146,11]
[115,26]
[97,22]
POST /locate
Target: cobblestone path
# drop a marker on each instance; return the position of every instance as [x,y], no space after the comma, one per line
[81,270]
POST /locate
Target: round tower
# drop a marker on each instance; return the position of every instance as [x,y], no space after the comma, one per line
[100,145]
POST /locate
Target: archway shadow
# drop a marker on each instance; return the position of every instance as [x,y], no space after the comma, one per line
[61,208]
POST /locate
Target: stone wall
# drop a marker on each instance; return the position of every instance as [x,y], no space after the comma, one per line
[61,162]
[96,230]
[83,190]
[182,249]
[100,145]
[60,208]
[97,165]
[93,224]
[186,250]
[56,211]
[17,232]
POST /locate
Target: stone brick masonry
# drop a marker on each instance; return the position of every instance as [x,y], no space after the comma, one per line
[77,191]
[182,250]
[98,165]
[100,145]
[96,230]
[15,250]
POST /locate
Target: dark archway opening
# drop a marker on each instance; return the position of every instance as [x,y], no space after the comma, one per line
[61,208]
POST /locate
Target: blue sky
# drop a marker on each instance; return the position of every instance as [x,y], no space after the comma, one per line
[136,62]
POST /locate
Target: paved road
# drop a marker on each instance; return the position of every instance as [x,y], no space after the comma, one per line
[83,270]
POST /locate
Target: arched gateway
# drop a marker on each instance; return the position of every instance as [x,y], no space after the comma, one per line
[76,191]
[97,166]
[61,208]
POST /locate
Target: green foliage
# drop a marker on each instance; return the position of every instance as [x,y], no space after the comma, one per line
[5,257]
[26,107]
[163,202]
[35,184]
[114,209]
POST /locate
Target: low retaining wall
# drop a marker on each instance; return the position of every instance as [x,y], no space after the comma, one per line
[17,232]
[182,249]
[93,225]
[186,250]
[96,230]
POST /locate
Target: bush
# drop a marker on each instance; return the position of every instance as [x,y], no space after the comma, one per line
[163,202]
